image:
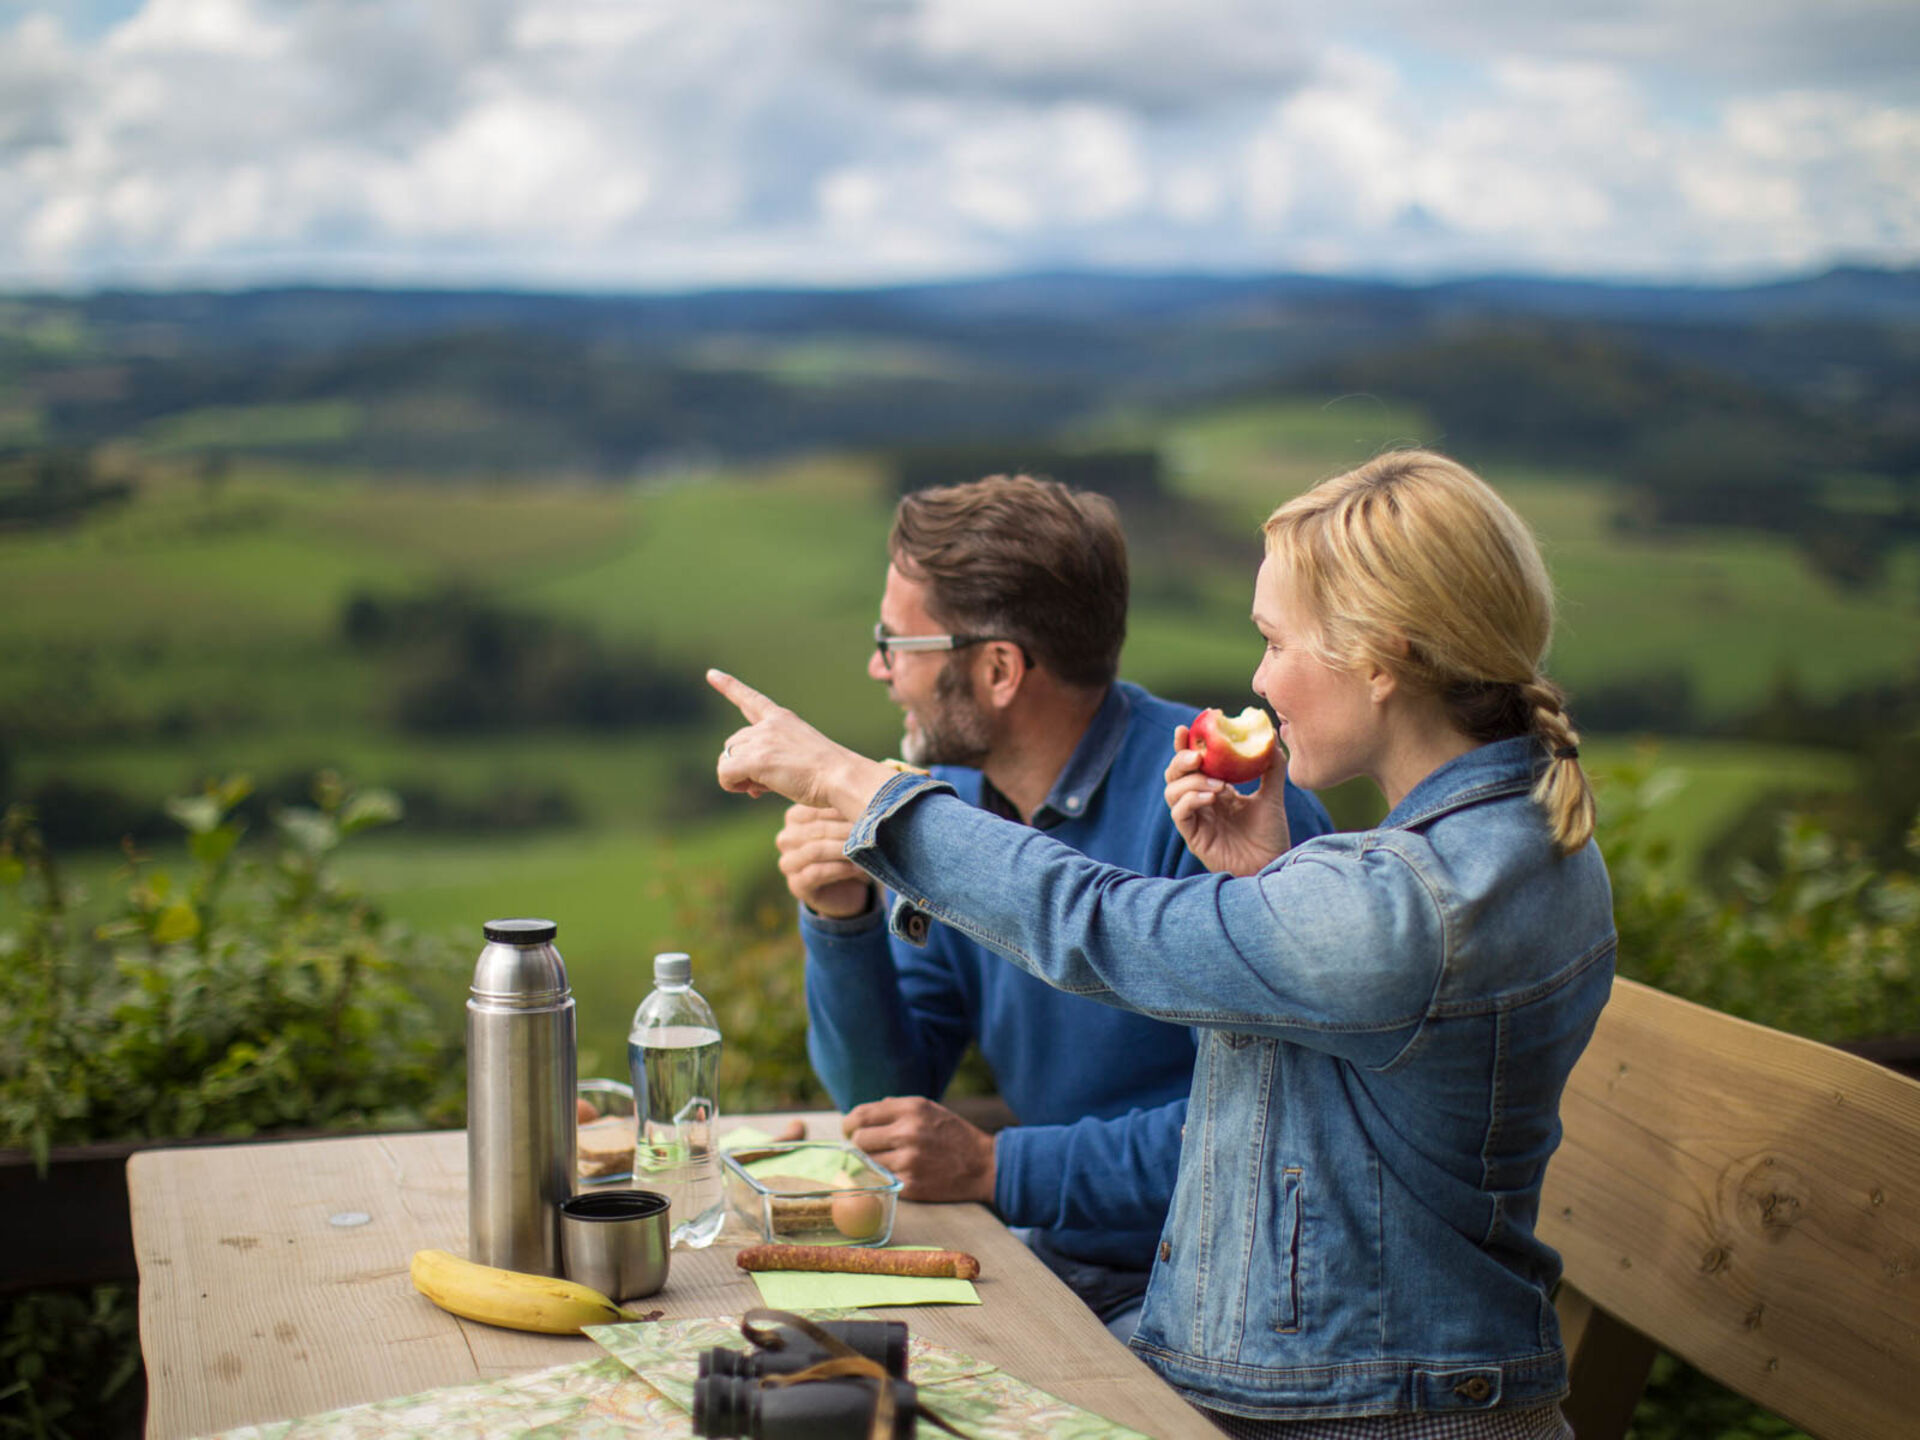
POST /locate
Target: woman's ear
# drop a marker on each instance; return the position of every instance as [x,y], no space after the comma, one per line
[1382,683]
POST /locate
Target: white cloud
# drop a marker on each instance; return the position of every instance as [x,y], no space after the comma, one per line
[213,27]
[513,164]
[606,142]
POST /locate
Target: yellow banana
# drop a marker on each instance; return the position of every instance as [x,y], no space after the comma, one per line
[508,1297]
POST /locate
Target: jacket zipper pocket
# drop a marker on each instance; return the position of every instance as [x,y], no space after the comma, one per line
[1288,1223]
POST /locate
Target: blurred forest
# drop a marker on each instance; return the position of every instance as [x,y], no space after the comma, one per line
[472,551]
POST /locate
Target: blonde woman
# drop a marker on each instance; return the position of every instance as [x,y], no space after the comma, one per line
[1389,1016]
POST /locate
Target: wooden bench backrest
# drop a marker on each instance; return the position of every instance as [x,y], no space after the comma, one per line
[1748,1201]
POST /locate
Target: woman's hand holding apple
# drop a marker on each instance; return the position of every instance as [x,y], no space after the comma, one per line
[1226,830]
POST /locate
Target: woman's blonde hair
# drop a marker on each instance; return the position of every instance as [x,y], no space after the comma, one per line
[1412,562]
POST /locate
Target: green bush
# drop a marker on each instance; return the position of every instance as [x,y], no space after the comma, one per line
[249,994]
[1818,941]
[70,1364]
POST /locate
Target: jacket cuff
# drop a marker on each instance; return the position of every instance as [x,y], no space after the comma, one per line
[908,920]
[899,791]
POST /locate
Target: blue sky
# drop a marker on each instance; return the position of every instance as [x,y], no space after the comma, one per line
[673,143]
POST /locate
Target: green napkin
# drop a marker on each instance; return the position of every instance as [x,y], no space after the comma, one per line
[823,1163]
[821,1160]
[822,1289]
[743,1137]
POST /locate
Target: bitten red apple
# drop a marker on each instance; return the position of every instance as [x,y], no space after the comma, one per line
[1233,747]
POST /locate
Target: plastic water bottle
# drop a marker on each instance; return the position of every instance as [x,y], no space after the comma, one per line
[673,1051]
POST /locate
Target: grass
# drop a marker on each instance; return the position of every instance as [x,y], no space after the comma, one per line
[1717,779]
[1733,611]
[237,427]
[775,578]
[219,602]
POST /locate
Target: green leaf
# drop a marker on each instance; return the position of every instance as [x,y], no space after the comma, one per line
[12,872]
[179,921]
[233,790]
[198,813]
[309,830]
[210,847]
[370,807]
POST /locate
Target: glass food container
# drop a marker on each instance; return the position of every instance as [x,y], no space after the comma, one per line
[811,1192]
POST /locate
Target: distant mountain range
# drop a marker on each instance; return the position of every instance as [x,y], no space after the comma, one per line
[311,317]
[513,382]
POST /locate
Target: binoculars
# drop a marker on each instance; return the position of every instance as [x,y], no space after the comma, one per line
[731,1398]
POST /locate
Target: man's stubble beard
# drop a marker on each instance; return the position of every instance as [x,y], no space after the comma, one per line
[956,733]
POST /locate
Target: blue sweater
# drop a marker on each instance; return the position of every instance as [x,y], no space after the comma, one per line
[1100,1093]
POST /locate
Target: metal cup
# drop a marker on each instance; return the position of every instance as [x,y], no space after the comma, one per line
[616,1241]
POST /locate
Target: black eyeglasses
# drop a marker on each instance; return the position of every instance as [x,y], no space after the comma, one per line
[887,644]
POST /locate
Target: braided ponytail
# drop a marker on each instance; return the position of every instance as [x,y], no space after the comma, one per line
[1562,789]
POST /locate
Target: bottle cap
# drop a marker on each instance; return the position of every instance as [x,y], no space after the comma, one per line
[673,968]
[520,932]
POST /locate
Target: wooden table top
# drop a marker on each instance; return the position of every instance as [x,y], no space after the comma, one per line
[254,1306]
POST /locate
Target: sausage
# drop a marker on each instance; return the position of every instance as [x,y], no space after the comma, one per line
[930,1264]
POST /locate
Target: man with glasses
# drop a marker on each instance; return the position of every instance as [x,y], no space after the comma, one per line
[999,638]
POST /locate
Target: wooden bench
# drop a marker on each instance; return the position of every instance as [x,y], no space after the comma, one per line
[1748,1201]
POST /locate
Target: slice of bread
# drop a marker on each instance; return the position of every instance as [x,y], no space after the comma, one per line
[606,1147]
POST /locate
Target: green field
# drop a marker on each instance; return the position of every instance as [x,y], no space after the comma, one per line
[223,603]
[619,896]
[220,603]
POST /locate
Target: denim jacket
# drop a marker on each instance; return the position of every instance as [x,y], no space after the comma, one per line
[1390,1017]
[1093,1160]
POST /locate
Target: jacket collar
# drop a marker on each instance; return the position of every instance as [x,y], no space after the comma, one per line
[1487,772]
[1080,778]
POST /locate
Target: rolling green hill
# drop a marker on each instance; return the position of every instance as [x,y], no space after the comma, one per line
[197,630]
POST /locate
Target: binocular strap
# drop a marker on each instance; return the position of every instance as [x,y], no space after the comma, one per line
[846,1361]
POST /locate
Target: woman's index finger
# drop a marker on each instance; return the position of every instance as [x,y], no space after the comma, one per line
[749,701]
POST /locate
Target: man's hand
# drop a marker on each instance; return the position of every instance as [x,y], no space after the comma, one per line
[937,1155]
[812,845]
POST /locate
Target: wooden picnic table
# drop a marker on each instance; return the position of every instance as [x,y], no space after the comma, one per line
[256,1305]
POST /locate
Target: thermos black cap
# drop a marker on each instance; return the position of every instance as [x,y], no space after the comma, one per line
[520,932]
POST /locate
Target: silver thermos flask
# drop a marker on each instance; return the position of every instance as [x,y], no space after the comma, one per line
[520,1098]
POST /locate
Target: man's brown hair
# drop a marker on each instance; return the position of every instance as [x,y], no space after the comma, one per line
[1023,559]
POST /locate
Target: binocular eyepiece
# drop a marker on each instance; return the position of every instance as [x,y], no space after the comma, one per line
[730,1397]
[836,1409]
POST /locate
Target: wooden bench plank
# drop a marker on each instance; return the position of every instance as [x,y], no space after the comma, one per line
[1750,1201]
